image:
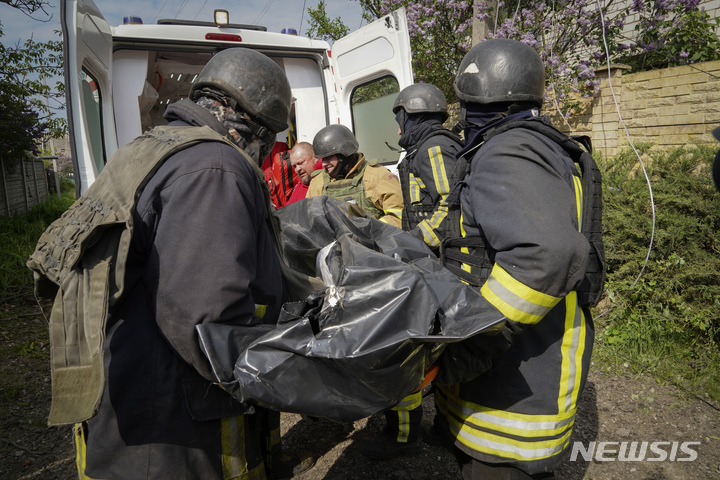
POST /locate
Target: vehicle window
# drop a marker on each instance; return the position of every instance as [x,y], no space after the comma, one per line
[373,120]
[91,104]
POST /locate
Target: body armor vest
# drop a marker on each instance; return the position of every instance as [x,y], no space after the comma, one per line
[472,259]
[80,259]
[414,213]
[352,190]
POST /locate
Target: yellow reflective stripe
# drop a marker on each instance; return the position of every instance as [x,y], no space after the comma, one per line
[403,426]
[394,211]
[429,225]
[234,462]
[516,300]
[415,186]
[260,310]
[578,200]
[442,185]
[80,451]
[517,424]
[497,444]
[466,250]
[504,447]
[572,351]
[410,402]
[428,234]
[438,168]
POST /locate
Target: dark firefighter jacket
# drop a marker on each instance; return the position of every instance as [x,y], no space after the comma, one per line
[425,173]
[523,194]
[201,253]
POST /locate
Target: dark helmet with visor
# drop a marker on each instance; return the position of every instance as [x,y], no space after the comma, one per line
[335,140]
[501,70]
[421,98]
[256,83]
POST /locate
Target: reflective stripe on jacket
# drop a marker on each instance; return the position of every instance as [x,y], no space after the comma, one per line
[522,201]
[425,176]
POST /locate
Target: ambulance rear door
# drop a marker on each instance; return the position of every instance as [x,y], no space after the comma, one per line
[371,66]
[87,48]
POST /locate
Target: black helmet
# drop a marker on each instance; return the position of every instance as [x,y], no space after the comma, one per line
[501,70]
[253,80]
[421,98]
[334,140]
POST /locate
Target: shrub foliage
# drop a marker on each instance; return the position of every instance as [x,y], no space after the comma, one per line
[667,314]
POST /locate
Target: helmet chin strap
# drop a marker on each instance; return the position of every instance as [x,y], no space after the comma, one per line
[343,166]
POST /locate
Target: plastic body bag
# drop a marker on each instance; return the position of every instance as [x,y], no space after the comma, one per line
[362,343]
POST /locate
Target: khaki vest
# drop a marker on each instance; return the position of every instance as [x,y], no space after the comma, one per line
[82,257]
[352,190]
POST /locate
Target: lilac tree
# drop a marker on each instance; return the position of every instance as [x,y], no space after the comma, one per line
[567,34]
[575,38]
[440,35]
[670,33]
[571,37]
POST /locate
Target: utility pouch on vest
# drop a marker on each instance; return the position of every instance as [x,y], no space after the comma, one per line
[591,288]
[471,251]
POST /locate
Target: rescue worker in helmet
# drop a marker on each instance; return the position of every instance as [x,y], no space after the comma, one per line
[348,176]
[507,402]
[425,177]
[201,254]
[429,160]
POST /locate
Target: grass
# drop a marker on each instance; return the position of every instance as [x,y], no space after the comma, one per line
[23,331]
[665,320]
[18,236]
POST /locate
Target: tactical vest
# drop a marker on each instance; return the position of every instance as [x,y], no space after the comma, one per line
[352,190]
[81,260]
[414,214]
[472,259]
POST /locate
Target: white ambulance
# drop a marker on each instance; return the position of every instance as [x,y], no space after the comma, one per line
[119,79]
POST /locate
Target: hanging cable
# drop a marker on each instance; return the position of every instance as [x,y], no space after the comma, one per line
[182,5]
[201,8]
[627,133]
[161,9]
[512,24]
[302,16]
[264,11]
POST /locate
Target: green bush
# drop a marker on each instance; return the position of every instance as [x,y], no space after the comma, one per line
[666,315]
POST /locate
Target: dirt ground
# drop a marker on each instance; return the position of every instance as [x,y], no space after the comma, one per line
[616,407]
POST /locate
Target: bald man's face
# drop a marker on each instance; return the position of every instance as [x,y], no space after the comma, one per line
[304,165]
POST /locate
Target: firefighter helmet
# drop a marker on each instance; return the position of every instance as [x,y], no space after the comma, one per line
[258,85]
[421,98]
[501,70]
[335,140]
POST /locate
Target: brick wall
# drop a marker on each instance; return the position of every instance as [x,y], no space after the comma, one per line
[23,185]
[670,107]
